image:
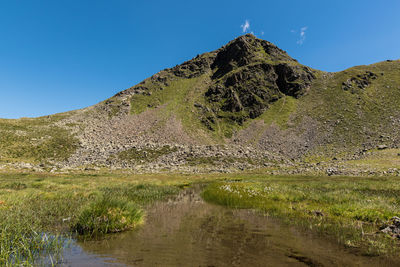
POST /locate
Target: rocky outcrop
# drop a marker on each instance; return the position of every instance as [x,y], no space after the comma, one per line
[360,82]
[245,50]
[195,67]
[293,80]
[249,74]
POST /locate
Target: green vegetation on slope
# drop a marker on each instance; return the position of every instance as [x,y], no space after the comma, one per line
[358,116]
[378,159]
[280,111]
[210,98]
[173,96]
[349,209]
[35,140]
[175,100]
[217,92]
[344,111]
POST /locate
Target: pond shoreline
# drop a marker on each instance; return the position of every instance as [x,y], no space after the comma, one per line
[35,203]
[187,230]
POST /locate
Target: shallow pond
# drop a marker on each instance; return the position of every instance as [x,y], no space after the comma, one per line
[186,231]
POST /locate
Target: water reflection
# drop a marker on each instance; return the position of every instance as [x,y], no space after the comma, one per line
[186,231]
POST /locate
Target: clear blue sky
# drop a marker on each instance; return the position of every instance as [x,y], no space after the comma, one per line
[66,54]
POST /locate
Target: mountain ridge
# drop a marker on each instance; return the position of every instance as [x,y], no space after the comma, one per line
[245,105]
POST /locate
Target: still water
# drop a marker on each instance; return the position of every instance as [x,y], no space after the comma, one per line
[186,231]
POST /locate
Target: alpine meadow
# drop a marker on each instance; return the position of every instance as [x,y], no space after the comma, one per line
[241,156]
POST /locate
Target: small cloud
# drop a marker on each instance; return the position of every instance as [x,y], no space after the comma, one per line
[245,26]
[262,33]
[302,36]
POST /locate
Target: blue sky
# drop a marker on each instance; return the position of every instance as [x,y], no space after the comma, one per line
[62,55]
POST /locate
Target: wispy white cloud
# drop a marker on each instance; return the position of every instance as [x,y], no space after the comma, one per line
[302,36]
[246,26]
[262,33]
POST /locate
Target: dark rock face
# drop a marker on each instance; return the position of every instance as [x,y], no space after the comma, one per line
[235,54]
[292,80]
[249,90]
[195,67]
[249,74]
[243,51]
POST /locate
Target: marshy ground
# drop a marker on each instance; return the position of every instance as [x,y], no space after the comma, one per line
[38,211]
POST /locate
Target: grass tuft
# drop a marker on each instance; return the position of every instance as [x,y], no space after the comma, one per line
[108,215]
[39,211]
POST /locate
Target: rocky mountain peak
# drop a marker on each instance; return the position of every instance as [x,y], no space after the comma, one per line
[244,50]
[238,107]
[244,77]
[249,74]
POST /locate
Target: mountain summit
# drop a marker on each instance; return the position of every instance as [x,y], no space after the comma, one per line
[245,105]
[243,78]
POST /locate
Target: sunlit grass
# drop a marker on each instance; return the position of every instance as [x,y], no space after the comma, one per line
[108,215]
[37,211]
[378,159]
[348,209]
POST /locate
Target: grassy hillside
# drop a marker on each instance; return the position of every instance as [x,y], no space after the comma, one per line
[342,114]
[35,140]
[220,91]
[249,93]
[360,116]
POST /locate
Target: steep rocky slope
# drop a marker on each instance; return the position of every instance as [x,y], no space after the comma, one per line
[247,104]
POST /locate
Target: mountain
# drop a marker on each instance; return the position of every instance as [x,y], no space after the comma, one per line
[245,105]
